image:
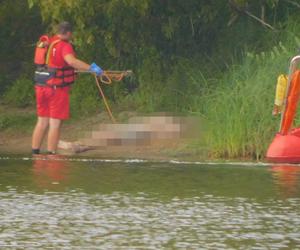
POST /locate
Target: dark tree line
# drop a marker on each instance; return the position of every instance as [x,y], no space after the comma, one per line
[138,33]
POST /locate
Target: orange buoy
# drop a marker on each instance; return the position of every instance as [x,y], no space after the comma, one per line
[285,147]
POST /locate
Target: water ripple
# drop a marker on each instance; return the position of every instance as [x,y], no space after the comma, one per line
[76,220]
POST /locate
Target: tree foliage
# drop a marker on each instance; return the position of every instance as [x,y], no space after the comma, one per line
[125,32]
[19,27]
[148,36]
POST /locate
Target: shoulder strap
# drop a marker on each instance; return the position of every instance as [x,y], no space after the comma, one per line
[50,49]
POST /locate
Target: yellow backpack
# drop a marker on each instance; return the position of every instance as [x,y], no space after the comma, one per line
[281,86]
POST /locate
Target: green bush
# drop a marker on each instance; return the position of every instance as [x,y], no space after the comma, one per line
[238,110]
[21,121]
[20,93]
[4,81]
[84,97]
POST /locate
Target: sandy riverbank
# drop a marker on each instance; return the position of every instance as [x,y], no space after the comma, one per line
[16,141]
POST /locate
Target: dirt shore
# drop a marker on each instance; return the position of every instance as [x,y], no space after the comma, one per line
[14,141]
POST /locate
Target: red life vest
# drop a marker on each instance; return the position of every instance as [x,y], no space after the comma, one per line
[47,73]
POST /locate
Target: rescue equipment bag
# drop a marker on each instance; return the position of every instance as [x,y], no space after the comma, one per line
[281,86]
[46,73]
[41,50]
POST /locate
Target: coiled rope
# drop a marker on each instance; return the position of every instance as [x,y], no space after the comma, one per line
[107,77]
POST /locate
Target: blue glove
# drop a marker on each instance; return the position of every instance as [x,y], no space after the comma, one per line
[96,69]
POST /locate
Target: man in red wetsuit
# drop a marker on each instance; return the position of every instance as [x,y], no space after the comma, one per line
[52,98]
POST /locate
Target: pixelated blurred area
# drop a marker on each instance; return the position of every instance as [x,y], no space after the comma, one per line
[141,131]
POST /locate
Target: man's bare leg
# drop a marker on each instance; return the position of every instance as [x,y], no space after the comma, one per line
[38,133]
[53,134]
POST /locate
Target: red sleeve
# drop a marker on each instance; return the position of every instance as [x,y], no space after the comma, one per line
[67,49]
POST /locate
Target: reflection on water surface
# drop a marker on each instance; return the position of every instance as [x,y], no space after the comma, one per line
[97,205]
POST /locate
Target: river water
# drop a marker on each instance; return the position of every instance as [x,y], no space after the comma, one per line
[65,203]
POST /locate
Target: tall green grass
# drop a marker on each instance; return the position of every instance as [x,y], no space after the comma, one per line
[236,103]
[20,94]
[238,111]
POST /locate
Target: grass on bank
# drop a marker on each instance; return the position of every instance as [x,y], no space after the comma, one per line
[17,122]
[239,110]
[236,103]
